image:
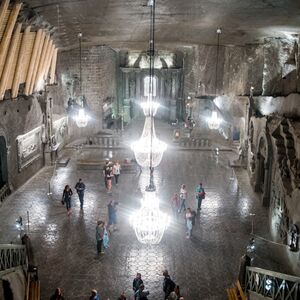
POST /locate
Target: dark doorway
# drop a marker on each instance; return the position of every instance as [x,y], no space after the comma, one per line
[3,162]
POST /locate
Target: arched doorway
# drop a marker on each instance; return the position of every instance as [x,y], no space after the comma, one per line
[263,172]
[3,162]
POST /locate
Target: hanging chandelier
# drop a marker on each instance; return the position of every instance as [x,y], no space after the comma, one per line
[81,117]
[148,150]
[149,222]
[214,122]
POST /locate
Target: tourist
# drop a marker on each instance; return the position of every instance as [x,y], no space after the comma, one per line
[66,198]
[99,236]
[112,214]
[200,195]
[175,295]
[80,188]
[141,294]
[168,285]
[183,197]
[57,295]
[109,175]
[137,281]
[189,223]
[105,238]
[106,170]
[175,204]
[94,295]
[116,171]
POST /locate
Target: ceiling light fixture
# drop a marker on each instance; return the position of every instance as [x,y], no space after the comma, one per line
[149,222]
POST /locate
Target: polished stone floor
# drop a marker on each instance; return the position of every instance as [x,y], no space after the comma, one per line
[203,266]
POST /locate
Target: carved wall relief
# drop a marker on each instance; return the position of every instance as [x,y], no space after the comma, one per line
[279,211]
[29,147]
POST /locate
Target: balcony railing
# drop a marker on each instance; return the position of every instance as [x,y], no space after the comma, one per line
[273,285]
[12,256]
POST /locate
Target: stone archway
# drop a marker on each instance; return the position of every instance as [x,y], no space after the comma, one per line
[263,170]
[3,162]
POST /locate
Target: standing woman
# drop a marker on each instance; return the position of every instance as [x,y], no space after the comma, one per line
[116,171]
[66,198]
[183,196]
[109,176]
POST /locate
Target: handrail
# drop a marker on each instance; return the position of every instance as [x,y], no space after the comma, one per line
[272,284]
[12,256]
[274,274]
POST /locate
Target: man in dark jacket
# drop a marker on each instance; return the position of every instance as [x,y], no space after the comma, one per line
[137,281]
[169,284]
[80,188]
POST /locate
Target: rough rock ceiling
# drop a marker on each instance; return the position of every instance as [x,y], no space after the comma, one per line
[125,23]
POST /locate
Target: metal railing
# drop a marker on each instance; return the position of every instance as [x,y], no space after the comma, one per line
[4,192]
[273,285]
[12,256]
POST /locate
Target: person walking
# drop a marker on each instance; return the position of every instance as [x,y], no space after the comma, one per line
[183,197]
[200,195]
[94,295]
[106,170]
[66,198]
[189,222]
[57,295]
[137,281]
[109,175]
[116,171]
[99,236]
[112,214]
[175,205]
[80,188]
[168,284]
[122,296]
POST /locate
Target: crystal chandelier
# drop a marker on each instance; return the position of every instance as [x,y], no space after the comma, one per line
[148,150]
[81,119]
[214,122]
[149,222]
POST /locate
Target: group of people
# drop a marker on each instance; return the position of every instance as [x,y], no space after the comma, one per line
[170,288]
[178,204]
[104,230]
[111,170]
[67,195]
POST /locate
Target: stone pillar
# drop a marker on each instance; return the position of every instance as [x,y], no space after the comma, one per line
[173,91]
[126,85]
[138,85]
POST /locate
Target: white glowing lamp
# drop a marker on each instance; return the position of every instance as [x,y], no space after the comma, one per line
[150,107]
[214,122]
[149,222]
[143,148]
[81,118]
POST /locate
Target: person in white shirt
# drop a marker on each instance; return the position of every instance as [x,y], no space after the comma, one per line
[183,196]
[117,171]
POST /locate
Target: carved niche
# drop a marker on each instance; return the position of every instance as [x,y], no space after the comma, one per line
[29,147]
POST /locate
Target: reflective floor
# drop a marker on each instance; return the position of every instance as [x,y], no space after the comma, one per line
[203,266]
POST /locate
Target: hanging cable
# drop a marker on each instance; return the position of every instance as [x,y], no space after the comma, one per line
[219,31]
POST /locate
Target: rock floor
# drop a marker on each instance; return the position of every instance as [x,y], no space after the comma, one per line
[65,249]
